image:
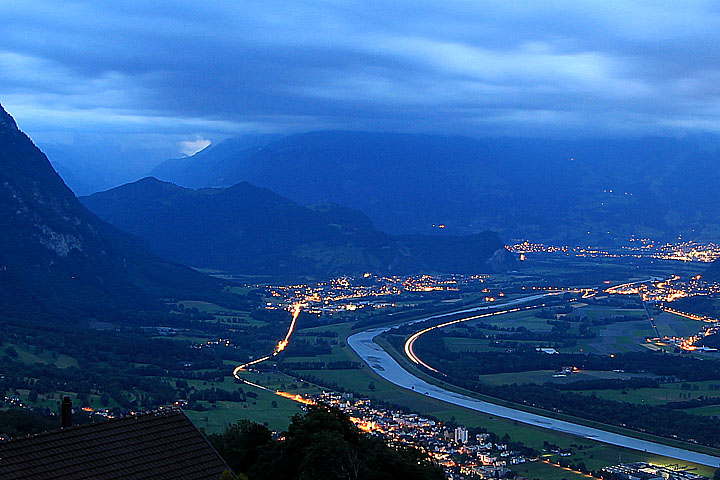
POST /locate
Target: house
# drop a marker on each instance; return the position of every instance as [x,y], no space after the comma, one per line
[162,444]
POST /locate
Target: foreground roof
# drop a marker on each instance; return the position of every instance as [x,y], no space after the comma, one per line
[158,445]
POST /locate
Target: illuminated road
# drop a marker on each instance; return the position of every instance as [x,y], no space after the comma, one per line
[410,343]
[385,366]
[278,348]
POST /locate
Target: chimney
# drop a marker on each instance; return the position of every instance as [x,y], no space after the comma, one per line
[66,412]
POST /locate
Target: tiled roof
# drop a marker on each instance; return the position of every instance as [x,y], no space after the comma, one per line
[159,445]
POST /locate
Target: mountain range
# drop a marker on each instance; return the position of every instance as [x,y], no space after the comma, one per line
[252,230]
[568,191]
[56,256]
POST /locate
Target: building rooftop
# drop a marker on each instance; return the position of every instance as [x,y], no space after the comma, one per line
[159,445]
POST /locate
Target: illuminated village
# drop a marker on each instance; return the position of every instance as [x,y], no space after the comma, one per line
[369,292]
[683,251]
[660,293]
[461,454]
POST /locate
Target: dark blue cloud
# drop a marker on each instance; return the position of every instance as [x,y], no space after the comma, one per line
[185,71]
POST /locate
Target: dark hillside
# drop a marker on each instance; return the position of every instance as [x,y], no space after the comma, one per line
[57,256]
[247,229]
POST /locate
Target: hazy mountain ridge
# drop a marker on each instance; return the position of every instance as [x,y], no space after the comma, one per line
[541,189]
[389,177]
[59,257]
[247,229]
[212,160]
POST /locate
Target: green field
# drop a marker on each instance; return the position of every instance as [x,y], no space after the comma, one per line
[668,392]
[612,338]
[515,319]
[617,338]
[52,401]
[546,471]
[218,416]
[710,410]
[219,312]
[670,325]
[542,376]
[25,355]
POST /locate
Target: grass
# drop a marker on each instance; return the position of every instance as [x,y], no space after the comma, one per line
[220,313]
[542,376]
[65,361]
[207,307]
[546,471]
[45,401]
[185,338]
[668,392]
[217,417]
[617,337]
[223,414]
[670,325]
[517,319]
[26,356]
[710,410]
[613,338]
[460,344]
[601,311]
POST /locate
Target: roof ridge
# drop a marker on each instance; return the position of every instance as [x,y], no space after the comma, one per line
[162,411]
[147,445]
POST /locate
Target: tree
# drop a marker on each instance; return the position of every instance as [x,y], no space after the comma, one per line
[717,474]
[241,444]
[324,444]
[227,475]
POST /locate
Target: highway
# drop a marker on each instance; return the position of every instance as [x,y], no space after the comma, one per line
[384,365]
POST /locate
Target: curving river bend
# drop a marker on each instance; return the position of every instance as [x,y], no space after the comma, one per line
[384,365]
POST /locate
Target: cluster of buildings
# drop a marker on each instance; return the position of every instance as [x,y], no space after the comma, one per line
[684,251]
[691,343]
[525,246]
[648,471]
[673,288]
[461,454]
[370,291]
[220,342]
[662,292]
[17,402]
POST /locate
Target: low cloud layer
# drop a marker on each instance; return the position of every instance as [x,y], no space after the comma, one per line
[475,68]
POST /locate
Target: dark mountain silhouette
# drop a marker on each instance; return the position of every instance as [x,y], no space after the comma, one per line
[531,188]
[247,229]
[56,256]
